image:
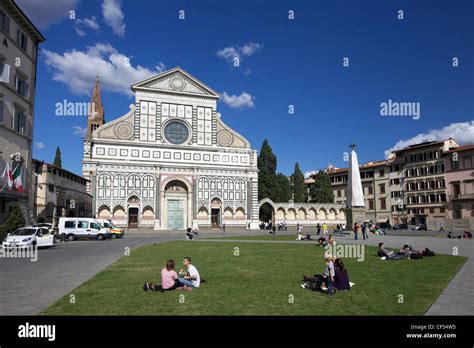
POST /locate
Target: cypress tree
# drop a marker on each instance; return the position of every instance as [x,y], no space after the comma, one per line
[299,187]
[321,190]
[57,158]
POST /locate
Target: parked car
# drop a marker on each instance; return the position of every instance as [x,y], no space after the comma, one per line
[76,228]
[421,227]
[114,231]
[43,225]
[385,226]
[29,236]
[400,227]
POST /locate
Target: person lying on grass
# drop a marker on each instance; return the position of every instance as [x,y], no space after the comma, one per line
[191,278]
[407,250]
[302,237]
[387,254]
[169,280]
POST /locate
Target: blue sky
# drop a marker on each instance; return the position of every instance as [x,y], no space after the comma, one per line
[283,62]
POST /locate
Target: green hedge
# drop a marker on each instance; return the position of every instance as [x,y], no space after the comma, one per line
[15,220]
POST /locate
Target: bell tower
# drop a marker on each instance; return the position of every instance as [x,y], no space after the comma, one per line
[95,118]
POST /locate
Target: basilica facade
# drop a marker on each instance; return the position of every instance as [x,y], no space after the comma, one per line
[170,162]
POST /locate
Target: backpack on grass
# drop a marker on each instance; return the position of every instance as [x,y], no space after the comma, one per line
[428,252]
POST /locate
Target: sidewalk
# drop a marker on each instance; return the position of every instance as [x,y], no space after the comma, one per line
[457,298]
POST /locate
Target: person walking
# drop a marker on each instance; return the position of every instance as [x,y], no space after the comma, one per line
[318,227]
[325,229]
[356,230]
[364,231]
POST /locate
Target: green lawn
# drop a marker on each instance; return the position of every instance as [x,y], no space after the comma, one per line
[259,282]
[262,237]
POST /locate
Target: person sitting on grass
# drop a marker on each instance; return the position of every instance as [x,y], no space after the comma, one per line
[467,235]
[331,241]
[341,277]
[189,233]
[191,279]
[387,254]
[302,237]
[451,235]
[169,279]
[322,241]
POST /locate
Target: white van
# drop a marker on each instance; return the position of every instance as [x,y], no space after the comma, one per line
[114,231]
[74,228]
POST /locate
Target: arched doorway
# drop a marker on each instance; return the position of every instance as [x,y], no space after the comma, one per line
[133,210]
[176,205]
[216,206]
[267,214]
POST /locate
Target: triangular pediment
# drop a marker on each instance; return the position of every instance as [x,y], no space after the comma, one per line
[177,81]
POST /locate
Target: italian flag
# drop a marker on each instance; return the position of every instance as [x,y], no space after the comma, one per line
[9,179]
[16,176]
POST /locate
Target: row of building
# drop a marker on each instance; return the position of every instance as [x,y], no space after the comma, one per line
[40,189]
[430,183]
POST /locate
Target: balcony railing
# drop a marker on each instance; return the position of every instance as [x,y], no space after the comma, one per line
[461,196]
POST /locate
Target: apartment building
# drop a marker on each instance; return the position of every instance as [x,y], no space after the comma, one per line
[459,165]
[397,191]
[422,181]
[59,192]
[375,177]
[19,40]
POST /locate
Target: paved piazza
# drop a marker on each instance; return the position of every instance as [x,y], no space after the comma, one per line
[64,267]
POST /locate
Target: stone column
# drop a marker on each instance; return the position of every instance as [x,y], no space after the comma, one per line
[355,211]
[254,212]
[157,198]
[93,192]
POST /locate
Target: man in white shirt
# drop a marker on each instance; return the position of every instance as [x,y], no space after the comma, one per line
[193,280]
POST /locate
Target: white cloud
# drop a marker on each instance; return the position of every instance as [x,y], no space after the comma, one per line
[232,52]
[46,12]
[250,48]
[462,133]
[310,173]
[78,130]
[113,16]
[229,53]
[78,69]
[90,23]
[244,100]
[39,145]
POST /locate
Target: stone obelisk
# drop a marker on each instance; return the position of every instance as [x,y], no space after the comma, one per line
[355,205]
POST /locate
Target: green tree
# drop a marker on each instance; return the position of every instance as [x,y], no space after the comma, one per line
[284,188]
[15,220]
[298,185]
[267,179]
[57,158]
[321,191]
